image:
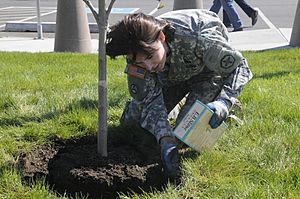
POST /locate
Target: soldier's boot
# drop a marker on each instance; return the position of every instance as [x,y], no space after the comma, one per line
[170,157]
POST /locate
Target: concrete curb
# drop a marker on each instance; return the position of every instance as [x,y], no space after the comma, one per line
[19,44]
[48,27]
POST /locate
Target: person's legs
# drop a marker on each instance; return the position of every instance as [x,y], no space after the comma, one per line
[226,20]
[232,14]
[245,7]
[216,6]
[250,11]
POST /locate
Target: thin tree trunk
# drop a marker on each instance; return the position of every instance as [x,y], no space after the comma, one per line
[102,21]
[102,86]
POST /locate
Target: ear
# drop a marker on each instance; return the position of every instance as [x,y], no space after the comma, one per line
[161,36]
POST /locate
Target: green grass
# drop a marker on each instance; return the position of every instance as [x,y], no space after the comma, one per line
[46,95]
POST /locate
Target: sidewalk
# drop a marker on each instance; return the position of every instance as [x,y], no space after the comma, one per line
[251,40]
[262,39]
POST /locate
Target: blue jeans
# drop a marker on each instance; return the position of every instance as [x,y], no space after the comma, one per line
[245,7]
[229,9]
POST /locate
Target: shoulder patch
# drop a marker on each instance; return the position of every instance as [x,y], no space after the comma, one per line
[227,61]
[133,88]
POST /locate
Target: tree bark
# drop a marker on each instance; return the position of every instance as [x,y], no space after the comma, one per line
[102,21]
[102,86]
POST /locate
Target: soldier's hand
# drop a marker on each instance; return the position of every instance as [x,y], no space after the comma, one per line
[220,108]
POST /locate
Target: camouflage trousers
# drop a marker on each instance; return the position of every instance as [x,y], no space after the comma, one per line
[151,113]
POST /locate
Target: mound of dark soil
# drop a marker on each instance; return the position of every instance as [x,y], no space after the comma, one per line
[73,167]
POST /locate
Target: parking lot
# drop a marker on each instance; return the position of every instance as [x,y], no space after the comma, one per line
[22,14]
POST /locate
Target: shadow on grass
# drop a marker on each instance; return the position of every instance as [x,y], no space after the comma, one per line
[86,104]
[278,48]
[276,74]
[190,154]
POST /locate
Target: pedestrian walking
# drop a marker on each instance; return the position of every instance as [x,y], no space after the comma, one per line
[248,9]
[233,16]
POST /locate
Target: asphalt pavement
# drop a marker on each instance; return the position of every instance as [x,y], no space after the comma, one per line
[271,31]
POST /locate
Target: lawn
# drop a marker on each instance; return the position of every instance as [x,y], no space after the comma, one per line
[47,95]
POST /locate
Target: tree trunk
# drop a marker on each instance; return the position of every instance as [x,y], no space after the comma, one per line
[102,87]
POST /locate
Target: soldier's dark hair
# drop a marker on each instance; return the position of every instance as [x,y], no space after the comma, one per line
[135,33]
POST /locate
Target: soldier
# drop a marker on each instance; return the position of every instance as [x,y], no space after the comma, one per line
[180,53]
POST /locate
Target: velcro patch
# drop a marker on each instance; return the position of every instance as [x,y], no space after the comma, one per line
[227,61]
[136,71]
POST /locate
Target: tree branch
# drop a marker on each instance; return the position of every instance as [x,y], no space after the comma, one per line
[92,8]
[109,8]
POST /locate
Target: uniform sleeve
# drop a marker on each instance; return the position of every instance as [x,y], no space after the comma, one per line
[220,57]
[235,82]
[217,53]
[150,112]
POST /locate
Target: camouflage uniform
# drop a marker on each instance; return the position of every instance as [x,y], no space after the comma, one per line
[201,65]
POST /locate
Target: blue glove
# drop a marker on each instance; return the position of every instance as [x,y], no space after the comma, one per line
[220,108]
[170,157]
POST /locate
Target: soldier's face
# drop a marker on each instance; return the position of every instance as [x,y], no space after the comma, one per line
[155,62]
